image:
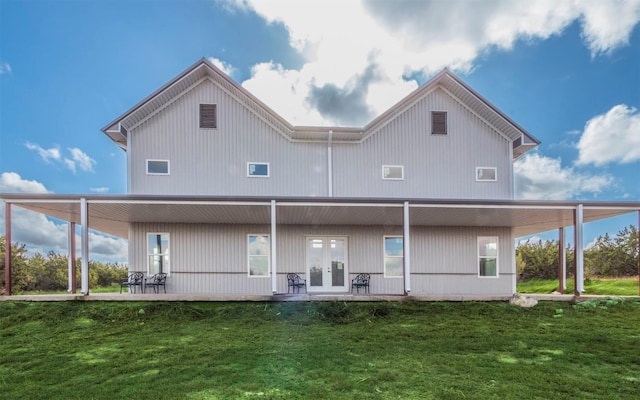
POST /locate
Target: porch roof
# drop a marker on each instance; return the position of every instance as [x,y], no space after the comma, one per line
[112,214]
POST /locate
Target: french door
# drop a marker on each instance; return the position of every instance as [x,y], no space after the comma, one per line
[327,268]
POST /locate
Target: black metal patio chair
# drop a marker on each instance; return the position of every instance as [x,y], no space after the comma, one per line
[361,281]
[134,280]
[294,282]
[156,281]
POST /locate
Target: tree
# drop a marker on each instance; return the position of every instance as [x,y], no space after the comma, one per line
[614,257]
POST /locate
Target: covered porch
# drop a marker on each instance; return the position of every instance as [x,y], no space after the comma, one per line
[116,214]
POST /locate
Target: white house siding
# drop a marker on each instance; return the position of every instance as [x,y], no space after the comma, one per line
[212,259]
[435,166]
[214,161]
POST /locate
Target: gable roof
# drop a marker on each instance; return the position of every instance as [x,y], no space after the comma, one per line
[203,69]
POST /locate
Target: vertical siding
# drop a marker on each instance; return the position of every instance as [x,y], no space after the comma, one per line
[212,259]
[435,166]
[214,161]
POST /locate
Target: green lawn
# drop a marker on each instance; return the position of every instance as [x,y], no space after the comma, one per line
[119,350]
[612,287]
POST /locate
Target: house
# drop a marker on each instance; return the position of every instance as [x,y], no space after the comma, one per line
[227,197]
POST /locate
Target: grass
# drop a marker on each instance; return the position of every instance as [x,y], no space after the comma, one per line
[612,287]
[102,350]
[115,288]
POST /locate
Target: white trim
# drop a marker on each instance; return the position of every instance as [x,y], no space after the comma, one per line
[272,250]
[157,173]
[384,167]
[406,247]
[148,253]
[326,239]
[495,170]
[579,247]
[384,255]
[497,257]
[250,163]
[84,246]
[268,256]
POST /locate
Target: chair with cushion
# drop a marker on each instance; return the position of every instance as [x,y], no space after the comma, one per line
[361,281]
[133,280]
[156,281]
[295,282]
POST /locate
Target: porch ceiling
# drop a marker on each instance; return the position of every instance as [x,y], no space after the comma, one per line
[113,214]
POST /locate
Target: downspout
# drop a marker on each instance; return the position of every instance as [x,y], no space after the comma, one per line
[329,166]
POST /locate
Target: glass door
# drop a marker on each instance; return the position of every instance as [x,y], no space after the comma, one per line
[327,264]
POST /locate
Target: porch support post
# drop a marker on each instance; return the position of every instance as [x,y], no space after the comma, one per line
[562,257]
[84,245]
[579,251]
[274,269]
[638,252]
[72,257]
[407,250]
[7,249]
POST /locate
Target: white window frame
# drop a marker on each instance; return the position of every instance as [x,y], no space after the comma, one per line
[250,163]
[384,256]
[158,173]
[393,166]
[167,256]
[495,170]
[249,256]
[496,240]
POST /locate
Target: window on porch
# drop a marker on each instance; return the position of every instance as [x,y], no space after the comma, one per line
[259,259]
[488,256]
[393,256]
[157,253]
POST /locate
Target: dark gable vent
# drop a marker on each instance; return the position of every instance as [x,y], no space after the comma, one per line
[208,116]
[439,122]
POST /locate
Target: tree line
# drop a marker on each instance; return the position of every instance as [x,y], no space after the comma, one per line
[608,257]
[49,272]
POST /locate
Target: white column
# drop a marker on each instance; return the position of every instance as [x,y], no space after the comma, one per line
[329,166]
[84,245]
[579,249]
[71,237]
[564,263]
[274,269]
[406,249]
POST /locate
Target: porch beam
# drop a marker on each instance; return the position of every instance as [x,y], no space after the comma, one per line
[274,268]
[562,257]
[84,246]
[406,249]
[7,249]
[72,257]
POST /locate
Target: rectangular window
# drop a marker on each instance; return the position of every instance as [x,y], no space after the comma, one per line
[157,253]
[488,256]
[393,172]
[208,116]
[439,122]
[157,167]
[260,170]
[393,256]
[259,250]
[486,174]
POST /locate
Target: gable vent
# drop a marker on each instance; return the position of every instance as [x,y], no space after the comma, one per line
[208,116]
[439,122]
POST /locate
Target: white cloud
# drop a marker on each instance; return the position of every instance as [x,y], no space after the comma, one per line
[40,233]
[543,178]
[85,162]
[47,155]
[101,189]
[613,137]
[5,68]
[222,65]
[341,40]
[77,157]
[11,182]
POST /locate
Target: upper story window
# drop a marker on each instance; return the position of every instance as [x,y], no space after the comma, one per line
[438,122]
[157,167]
[257,170]
[208,116]
[393,172]
[486,174]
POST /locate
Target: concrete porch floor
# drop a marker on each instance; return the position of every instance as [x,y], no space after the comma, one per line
[291,297]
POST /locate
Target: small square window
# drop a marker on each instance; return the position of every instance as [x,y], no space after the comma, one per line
[486,174]
[257,170]
[393,172]
[208,116]
[439,122]
[157,167]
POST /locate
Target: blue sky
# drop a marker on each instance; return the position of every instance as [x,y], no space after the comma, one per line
[567,71]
